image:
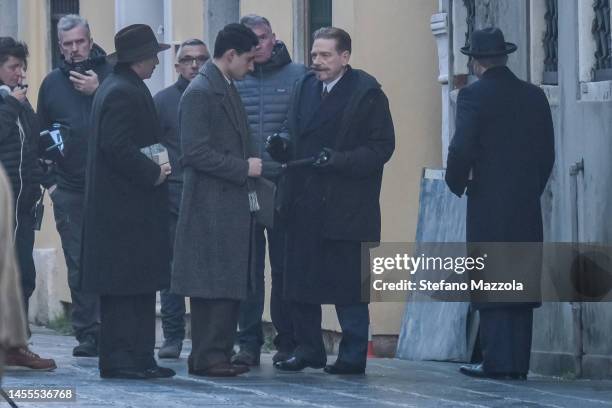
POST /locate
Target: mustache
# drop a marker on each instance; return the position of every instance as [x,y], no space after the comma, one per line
[317,68]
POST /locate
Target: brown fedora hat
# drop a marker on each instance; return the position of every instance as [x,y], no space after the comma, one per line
[135,43]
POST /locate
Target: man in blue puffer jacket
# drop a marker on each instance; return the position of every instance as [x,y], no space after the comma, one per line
[266,94]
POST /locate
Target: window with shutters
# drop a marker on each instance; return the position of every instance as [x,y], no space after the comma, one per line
[319,15]
[602,71]
[470,22]
[594,49]
[550,43]
[59,8]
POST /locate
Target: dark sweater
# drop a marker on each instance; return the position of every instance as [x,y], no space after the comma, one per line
[59,102]
[167,105]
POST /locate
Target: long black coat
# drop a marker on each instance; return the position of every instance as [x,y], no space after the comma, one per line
[330,213]
[125,233]
[504,134]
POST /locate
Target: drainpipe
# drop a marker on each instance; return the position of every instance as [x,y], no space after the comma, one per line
[574,171]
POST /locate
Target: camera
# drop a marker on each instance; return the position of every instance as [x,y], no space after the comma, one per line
[81,67]
[51,142]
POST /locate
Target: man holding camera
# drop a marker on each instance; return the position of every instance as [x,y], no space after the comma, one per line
[65,98]
[18,155]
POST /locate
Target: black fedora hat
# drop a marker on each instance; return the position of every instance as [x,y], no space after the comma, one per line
[488,42]
[135,43]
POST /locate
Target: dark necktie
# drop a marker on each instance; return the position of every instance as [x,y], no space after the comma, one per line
[324,94]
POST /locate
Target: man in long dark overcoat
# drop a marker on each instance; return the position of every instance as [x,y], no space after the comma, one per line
[333,207]
[501,156]
[214,236]
[125,256]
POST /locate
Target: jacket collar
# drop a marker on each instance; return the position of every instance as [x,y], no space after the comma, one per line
[125,71]
[219,85]
[499,72]
[280,57]
[181,83]
[218,82]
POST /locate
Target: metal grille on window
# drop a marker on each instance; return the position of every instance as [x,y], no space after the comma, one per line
[603,40]
[59,8]
[319,15]
[470,6]
[551,43]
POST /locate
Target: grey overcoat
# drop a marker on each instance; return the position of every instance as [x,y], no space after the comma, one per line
[214,232]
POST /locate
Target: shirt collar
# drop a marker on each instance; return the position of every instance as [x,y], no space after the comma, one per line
[330,85]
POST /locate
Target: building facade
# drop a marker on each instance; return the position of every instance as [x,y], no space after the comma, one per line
[564,46]
[391,40]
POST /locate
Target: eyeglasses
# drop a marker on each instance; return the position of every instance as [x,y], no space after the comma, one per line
[190,60]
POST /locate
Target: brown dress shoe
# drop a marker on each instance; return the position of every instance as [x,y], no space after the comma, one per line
[221,370]
[22,358]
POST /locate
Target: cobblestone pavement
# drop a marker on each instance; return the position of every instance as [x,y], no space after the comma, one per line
[388,383]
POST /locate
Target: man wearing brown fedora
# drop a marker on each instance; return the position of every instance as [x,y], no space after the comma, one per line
[501,156]
[125,255]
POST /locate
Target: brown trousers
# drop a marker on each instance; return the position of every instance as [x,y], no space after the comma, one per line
[213,331]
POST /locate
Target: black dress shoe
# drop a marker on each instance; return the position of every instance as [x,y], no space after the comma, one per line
[220,370]
[159,372]
[296,364]
[124,373]
[138,374]
[282,356]
[477,371]
[86,348]
[342,368]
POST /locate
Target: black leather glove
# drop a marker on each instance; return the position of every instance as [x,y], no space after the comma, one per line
[329,159]
[278,148]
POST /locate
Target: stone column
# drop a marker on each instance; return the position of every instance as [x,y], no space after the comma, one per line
[440,29]
[217,14]
[8,18]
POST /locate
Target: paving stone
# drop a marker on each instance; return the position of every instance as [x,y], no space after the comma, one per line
[388,383]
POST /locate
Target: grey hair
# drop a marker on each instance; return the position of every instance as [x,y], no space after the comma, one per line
[70,21]
[190,42]
[254,20]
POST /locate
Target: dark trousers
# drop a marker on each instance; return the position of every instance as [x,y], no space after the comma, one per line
[173,306]
[213,331]
[354,321]
[24,247]
[505,339]
[250,335]
[127,332]
[68,211]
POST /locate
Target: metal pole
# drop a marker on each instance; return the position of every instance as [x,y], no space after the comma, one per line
[575,170]
[8,399]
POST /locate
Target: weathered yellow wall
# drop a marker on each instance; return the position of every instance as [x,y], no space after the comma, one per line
[392,40]
[33,29]
[101,17]
[280,14]
[188,20]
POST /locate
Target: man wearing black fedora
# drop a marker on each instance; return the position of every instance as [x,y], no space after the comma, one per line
[501,157]
[125,255]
